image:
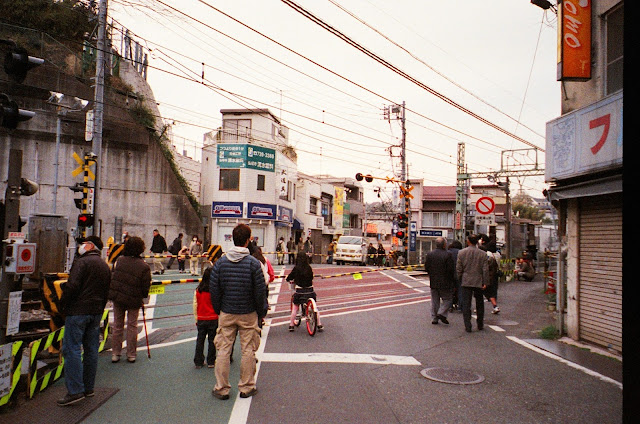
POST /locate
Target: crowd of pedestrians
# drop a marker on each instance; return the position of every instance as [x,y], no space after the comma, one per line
[459,275]
[231,300]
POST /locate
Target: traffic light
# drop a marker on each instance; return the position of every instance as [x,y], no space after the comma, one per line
[28,187]
[11,114]
[400,234]
[85,220]
[17,63]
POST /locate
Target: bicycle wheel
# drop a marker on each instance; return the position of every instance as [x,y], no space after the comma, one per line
[311,316]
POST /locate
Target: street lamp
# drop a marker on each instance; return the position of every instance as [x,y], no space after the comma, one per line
[74,104]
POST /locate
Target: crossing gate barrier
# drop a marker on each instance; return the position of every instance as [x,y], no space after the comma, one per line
[38,381]
[16,366]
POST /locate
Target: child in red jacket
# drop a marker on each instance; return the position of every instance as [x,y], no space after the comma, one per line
[206,322]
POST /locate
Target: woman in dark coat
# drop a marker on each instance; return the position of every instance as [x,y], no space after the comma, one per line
[130,282]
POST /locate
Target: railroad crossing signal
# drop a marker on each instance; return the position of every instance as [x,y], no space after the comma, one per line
[406,192]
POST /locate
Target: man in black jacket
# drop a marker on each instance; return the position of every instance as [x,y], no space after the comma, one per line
[440,267]
[83,300]
[238,293]
[174,249]
[158,247]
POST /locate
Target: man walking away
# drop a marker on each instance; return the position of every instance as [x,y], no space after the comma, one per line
[174,249]
[472,268]
[238,292]
[439,265]
[83,300]
[158,247]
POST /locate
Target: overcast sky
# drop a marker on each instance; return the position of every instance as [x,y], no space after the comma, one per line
[495,59]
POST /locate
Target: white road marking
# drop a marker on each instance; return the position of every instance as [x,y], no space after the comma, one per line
[347,358]
[564,361]
[496,328]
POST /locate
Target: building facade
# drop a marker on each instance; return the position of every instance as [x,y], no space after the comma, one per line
[584,160]
[248,176]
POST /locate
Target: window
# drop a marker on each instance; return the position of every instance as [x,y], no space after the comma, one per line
[326,209]
[236,129]
[260,182]
[229,180]
[615,53]
[437,219]
[313,205]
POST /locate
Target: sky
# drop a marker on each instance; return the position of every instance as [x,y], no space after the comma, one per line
[496,60]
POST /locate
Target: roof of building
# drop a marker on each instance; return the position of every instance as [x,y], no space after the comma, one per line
[439,193]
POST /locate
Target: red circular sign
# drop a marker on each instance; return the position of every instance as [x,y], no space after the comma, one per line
[485,205]
[25,255]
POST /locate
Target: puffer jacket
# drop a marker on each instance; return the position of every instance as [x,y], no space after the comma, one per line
[86,290]
[237,284]
[130,281]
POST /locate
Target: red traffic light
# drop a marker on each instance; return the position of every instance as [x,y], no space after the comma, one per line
[400,234]
[85,220]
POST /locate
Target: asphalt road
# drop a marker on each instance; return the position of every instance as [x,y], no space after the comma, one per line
[368,364]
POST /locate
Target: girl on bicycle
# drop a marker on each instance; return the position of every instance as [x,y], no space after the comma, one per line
[302,276]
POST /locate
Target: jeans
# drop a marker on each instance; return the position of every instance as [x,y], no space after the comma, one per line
[81,333]
[206,330]
[467,294]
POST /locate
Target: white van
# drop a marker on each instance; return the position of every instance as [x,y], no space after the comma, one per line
[351,249]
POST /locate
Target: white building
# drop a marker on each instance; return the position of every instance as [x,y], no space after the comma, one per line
[248,176]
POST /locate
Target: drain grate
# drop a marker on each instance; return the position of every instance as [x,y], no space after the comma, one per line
[452,376]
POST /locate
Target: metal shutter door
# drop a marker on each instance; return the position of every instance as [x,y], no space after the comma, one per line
[600,271]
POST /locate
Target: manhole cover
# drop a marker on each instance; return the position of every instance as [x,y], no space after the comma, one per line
[452,376]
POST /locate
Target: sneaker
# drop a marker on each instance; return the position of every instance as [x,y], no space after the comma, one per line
[250,393]
[496,310]
[115,358]
[291,328]
[219,395]
[198,366]
[443,319]
[211,365]
[89,393]
[320,327]
[70,399]
[132,360]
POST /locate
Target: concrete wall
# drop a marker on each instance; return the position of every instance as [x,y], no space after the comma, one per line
[136,180]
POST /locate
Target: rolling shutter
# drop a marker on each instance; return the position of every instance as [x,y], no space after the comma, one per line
[600,270]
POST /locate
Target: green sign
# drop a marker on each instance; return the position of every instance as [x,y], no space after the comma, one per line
[246,156]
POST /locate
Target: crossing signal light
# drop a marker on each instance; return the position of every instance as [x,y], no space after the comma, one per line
[11,114]
[360,176]
[79,187]
[85,220]
[400,234]
[403,222]
[17,63]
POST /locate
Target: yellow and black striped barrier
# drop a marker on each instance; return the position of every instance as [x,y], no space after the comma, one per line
[37,384]
[408,268]
[16,366]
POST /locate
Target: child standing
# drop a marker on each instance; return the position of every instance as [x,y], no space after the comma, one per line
[206,322]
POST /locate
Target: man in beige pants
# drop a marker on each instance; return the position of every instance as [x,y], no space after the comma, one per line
[238,293]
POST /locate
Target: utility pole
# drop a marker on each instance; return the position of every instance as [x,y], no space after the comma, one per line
[99,102]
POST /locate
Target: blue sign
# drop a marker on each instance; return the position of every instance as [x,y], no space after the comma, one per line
[285,214]
[431,233]
[227,210]
[261,211]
